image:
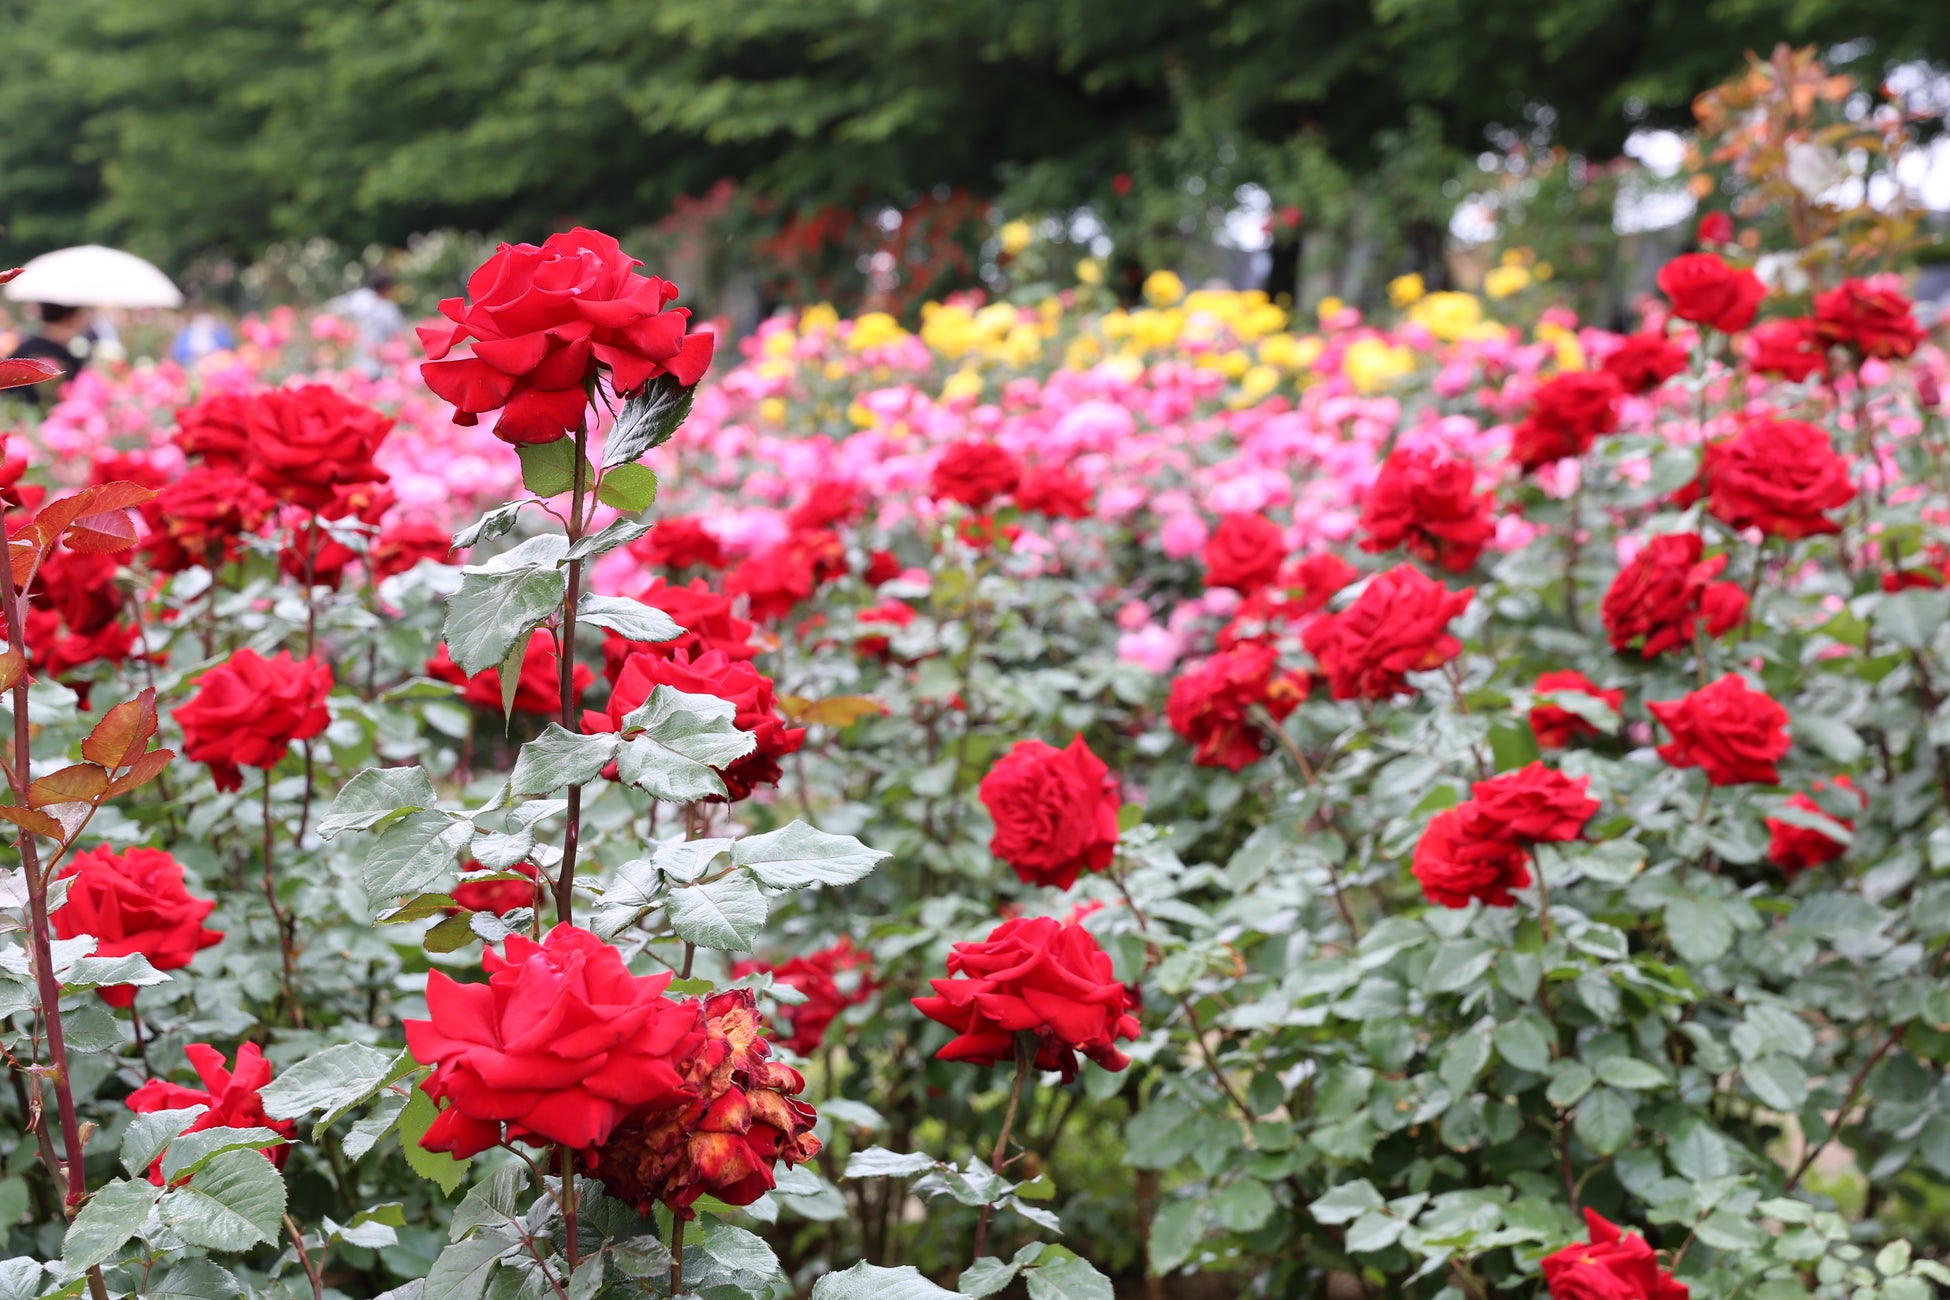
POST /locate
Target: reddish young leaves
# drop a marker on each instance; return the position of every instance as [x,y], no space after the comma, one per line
[93,519]
[75,783]
[123,733]
[141,772]
[18,372]
[38,822]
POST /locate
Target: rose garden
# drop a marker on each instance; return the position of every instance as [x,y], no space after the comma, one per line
[1048,797]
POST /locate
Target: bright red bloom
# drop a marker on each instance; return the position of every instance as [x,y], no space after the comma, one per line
[1055,811]
[704,615]
[201,517]
[1869,318]
[1642,362]
[1780,476]
[1706,291]
[1212,705]
[249,709]
[1535,804]
[214,430]
[1302,590]
[1790,347]
[779,577]
[678,542]
[326,543]
[1730,731]
[546,322]
[232,1097]
[1611,1266]
[888,613]
[133,901]
[1555,726]
[1795,848]
[974,473]
[828,504]
[1567,414]
[712,673]
[1398,625]
[402,545]
[831,979]
[1716,228]
[1244,553]
[1463,855]
[496,896]
[1428,504]
[1658,600]
[537,690]
[1038,976]
[1053,492]
[308,442]
[560,1044]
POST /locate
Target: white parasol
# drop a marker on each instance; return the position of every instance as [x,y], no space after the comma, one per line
[90,275]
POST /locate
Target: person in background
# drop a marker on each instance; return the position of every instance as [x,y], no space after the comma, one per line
[373,311]
[62,339]
[204,334]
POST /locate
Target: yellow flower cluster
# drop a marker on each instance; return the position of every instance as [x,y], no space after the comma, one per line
[997,332]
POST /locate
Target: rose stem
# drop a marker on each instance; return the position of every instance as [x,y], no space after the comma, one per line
[565,879]
[1025,1057]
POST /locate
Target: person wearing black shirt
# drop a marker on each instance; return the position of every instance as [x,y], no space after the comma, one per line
[60,327]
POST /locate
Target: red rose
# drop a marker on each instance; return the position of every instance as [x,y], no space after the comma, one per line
[1397,626]
[1303,589]
[249,709]
[559,1045]
[1535,804]
[1789,347]
[496,896]
[80,587]
[1463,855]
[307,442]
[232,1098]
[1656,601]
[712,673]
[1795,848]
[888,613]
[402,545]
[779,577]
[1212,706]
[1055,812]
[1869,318]
[738,1117]
[1428,504]
[704,615]
[678,543]
[1779,476]
[1244,553]
[1706,291]
[133,901]
[831,979]
[199,519]
[1641,362]
[546,323]
[322,546]
[1033,975]
[1728,730]
[974,473]
[537,690]
[1928,570]
[1053,492]
[1567,414]
[1716,228]
[1579,1271]
[828,504]
[1556,726]
[882,567]
[214,430]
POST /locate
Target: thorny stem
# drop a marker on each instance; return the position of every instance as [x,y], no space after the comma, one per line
[566,876]
[285,924]
[1573,546]
[311,602]
[571,1249]
[998,1159]
[1279,733]
[304,1258]
[677,1257]
[141,1043]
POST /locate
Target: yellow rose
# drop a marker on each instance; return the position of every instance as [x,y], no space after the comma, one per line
[963,384]
[1090,271]
[1371,363]
[817,319]
[861,416]
[1163,288]
[1506,280]
[1406,290]
[873,330]
[1329,308]
[1448,316]
[772,410]
[1016,236]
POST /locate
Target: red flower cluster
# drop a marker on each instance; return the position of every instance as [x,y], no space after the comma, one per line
[215,430]
[73,617]
[1706,291]
[401,546]
[131,902]
[1555,726]
[322,545]
[779,577]
[828,504]
[1611,1266]
[537,690]
[1212,705]
[1728,730]
[1790,347]
[249,709]
[1480,849]
[1055,812]
[303,444]
[232,1097]
[1053,492]
[1302,590]
[498,897]
[974,473]
[1244,553]
[199,519]
[1802,848]
[711,673]
[888,613]
[1428,504]
[831,979]
[704,615]
[679,542]
[1567,414]
[1033,975]
[1871,318]
[1642,362]
[1780,476]
[1398,625]
[1658,600]
[546,323]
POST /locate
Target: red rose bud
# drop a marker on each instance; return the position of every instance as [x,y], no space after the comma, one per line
[1555,726]
[1716,228]
[1795,848]
[1658,600]
[248,709]
[322,547]
[1398,625]
[712,673]
[306,443]
[1706,291]
[1611,1266]
[496,896]
[1790,348]
[1426,503]
[560,1044]
[537,690]
[1567,414]
[402,545]
[233,1098]
[1055,812]
[1244,553]
[679,542]
[546,323]
[1464,856]
[974,473]
[1212,706]
[1780,476]
[1728,730]
[1642,362]
[1535,804]
[133,902]
[1038,976]
[1870,318]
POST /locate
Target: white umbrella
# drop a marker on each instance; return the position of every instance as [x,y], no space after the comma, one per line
[90,275]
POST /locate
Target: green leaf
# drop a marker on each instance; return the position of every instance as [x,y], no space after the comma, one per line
[647,420]
[374,795]
[683,737]
[1374,1231]
[495,523]
[726,914]
[1629,1072]
[1176,1230]
[797,855]
[365,1133]
[1568,1084]
[21,1278]
[985,1277]
[334,1081]
[618,532]
[1346,1203]
[871,1282]
[1831,736]
[1911,618]
[491,1204]
[630,488]
[194,1151]
[1464,1059]
[1699,927]
[437,1166]
[1778,1081]
[112,1215]
[461,1272]
[548,469]
[1459,964]
[628,618]
[1069,1278]
[1524,1044]
[735,1248]
[148,1134]
[499,603]
[1699,1155]
[235,1201]
[416,851]
[106,972]
[587,1280]
[559,757]
[1243,1205]
[1604,1121]
[196,1279]
[879,1162]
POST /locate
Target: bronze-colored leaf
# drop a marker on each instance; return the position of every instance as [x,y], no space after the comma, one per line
[29,819]
[123,733]
[76,783]
[141,772]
